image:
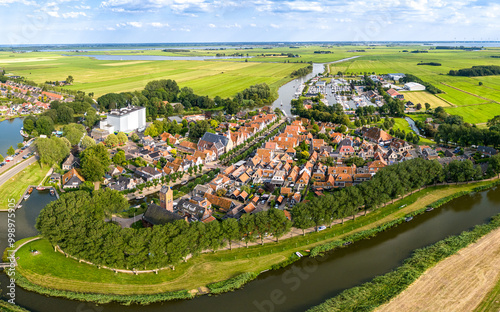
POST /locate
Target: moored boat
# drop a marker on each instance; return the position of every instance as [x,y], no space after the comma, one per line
[26,196]
[40,188]
[52,192]
[408,219]
[429,209]
[30,190]
[298,254]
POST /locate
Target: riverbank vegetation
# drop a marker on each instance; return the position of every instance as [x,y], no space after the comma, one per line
[383,288]
[68,274]
[8,307]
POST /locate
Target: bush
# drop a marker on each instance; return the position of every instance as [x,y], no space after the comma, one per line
[232,283]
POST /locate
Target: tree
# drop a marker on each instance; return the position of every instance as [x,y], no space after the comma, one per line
[301,218]
[69,79]
[151,131]
[87,142]
[119,158]
[51,151]
[495,163]
[427,106]
[20,145]
[122,138]
[419,106]
[29,124]
[279,224]
[11,151]
[214,235]
[246,227]
[44,125]
[230,230]
[95,162]
[64,114]
[134,137]
[111,140]
[74,133]
[1,158]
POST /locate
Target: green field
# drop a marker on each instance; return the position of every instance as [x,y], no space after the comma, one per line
[476,113]
[491,303]
[212,78]
[15,187]
[423,97]
[402,124]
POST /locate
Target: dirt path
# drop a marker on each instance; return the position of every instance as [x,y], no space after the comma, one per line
[458,283]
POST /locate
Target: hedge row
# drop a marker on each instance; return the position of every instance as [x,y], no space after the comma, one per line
[232,283]
[102,298]
[383,288]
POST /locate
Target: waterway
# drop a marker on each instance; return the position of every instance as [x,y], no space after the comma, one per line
[105,57]
[9,134]
[287,92]
[307,282]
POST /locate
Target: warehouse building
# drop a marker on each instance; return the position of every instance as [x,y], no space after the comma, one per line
[126,119]
[413,86]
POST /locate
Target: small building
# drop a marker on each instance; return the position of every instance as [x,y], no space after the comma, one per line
[70,162]
[72,179]
[413,86]
[156,215]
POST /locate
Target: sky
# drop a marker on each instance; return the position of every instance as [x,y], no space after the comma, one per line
[172,21]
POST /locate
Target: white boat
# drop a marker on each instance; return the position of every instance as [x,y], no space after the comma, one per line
[298,254]
[26,196]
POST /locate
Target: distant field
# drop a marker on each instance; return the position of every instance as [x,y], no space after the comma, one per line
[423,97]
[476,113]
[212,78]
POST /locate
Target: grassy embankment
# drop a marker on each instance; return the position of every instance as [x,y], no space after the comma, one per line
[491,302]
[475,103]
[53,270]
[15,186]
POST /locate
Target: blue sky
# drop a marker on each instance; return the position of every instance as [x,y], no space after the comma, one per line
[135,21]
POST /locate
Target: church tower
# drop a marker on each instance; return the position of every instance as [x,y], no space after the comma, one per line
[167,198]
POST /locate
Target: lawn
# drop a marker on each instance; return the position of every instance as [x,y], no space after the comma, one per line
[52,269]
[423,97]
[15,187]
[402,124]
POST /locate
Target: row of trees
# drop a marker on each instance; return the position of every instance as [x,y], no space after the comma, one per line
[76,224]
[320,112]
[388,184]
[475,71]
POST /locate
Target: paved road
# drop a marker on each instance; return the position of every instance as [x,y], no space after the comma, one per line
[20,167]
[17,158]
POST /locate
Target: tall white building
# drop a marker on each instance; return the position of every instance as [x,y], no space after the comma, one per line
[126,119]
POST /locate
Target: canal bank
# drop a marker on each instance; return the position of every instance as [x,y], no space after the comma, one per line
[336,274]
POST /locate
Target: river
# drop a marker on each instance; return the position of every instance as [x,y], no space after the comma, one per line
[9,134]
[287,91]
[307,282]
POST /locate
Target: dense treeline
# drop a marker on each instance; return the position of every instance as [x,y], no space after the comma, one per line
[429,87]
[382,289]
[388,184]
[302,71]
[60,113]
[157,93]
[320,112]
[455,130]
[76,224]
[430,63]
[476,71]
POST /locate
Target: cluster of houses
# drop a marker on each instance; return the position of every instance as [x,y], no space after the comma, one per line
[35,99]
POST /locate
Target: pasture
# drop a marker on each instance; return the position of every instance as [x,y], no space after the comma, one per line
[212,78]
[423,97]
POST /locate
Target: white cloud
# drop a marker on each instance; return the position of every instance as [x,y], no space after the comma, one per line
[275,26]
[158,25]
[211,25]
[253,25]
[73,14]
[53,13]
[131,24]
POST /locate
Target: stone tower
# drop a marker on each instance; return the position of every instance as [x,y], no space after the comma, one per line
[167,198]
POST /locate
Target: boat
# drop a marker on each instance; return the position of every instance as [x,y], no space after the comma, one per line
[408,219]
[26,196]
[52,192]
[19,206]
[23,134]
[40,188]
[30,190]
[184,182]
[140,197]
[298,254]
[429,209]
[347,243]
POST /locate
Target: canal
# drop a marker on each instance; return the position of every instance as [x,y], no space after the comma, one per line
[9,134]
[307,282]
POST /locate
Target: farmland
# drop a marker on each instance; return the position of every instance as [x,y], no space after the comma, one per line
[212,78]
[458,283]
[423,97]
